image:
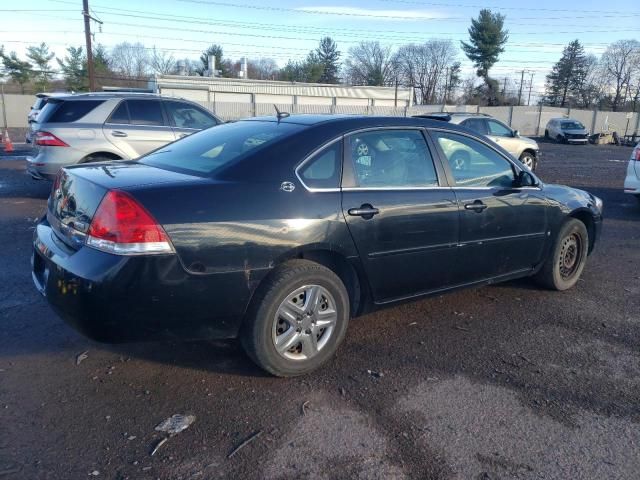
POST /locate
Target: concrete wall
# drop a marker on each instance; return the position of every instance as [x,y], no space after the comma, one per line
[17,108]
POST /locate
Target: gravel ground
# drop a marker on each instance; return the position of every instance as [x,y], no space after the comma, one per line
[500,382]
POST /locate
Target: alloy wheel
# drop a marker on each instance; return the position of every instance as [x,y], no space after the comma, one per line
[304,322]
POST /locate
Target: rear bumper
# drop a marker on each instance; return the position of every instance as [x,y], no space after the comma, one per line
[112,298]
[631,181]
[49,160]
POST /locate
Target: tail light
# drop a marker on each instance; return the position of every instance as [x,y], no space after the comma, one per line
[56,183]
[124,227]
[46,139]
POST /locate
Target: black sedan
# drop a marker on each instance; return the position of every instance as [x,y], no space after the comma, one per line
[279,230]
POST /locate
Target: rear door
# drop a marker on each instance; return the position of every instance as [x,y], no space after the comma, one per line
[186,118]
[138,126]
[502,227]
[400,212]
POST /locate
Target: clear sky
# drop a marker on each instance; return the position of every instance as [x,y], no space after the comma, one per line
[289,29]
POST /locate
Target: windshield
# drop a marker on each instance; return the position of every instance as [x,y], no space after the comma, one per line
[207,151]
[573,125]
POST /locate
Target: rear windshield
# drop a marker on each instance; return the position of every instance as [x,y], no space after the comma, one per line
[207,151]
[572,126]
[66,111]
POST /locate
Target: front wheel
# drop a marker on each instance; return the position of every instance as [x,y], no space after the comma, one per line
[560,139]
[297,320]
[564,266]
[528,160]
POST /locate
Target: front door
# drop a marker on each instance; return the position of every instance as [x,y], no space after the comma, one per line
[138,126]
[502,226]
[185,118]
[503,136]
[403,221]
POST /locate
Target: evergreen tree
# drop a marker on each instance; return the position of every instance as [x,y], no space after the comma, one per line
[41,56]
[487,37]
[74,69]
[18,70]
[329,57]
[221,64]
[567,76]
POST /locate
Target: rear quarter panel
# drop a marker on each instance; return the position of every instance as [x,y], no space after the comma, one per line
[223,227]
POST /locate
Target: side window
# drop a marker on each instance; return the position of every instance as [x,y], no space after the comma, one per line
[120,114]
[145,112]
[324,168]
[498,129]
[69,110]
[185,115]
[391,158]
[473,164]
[477,125]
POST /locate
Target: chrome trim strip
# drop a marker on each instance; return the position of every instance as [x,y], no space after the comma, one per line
[360,189]
[404,251]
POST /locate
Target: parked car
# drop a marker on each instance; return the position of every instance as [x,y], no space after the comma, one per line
[38,104]
[279,230]
[566,130]
[632,180]
[95,127]
[523,148]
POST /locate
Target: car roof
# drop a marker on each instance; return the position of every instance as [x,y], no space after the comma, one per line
[351,121]
[109,95]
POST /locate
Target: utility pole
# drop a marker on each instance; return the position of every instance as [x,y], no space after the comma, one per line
[520,91]
[504,87]
[530,86]
[87,37]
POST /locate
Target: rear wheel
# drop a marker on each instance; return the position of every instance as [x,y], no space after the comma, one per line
[564,266]
[546,134]
[529,160]
[297,320]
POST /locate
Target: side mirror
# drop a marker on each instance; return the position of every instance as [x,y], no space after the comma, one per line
[516,133]
[526,179]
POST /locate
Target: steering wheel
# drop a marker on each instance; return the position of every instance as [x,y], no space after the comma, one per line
[460,160]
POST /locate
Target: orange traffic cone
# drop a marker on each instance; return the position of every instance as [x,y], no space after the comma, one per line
[8,146]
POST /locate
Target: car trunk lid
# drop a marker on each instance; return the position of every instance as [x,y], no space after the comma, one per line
[78,191]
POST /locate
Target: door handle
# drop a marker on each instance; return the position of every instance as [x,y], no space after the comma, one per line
[476,206]
[365,211]
[118,133]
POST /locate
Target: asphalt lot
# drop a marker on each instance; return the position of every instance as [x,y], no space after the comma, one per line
[507,381]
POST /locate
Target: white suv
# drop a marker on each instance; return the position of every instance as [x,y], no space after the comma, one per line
[96,127]
[632,181]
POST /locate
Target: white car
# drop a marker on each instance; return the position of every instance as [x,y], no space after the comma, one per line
[566,130]
[632,182]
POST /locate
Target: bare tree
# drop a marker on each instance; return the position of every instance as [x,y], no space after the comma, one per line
[161,62]
[621,60]
[369,63]
[426,68]
[130,60]
[262,69]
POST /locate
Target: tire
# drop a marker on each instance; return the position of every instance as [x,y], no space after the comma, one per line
[559,271]
[638,198]
[546,134]
[529,160]
[560,139]
[274,316]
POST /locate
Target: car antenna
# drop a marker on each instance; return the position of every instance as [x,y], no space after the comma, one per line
[280,115]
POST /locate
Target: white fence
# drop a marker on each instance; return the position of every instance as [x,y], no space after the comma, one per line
[527,120]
